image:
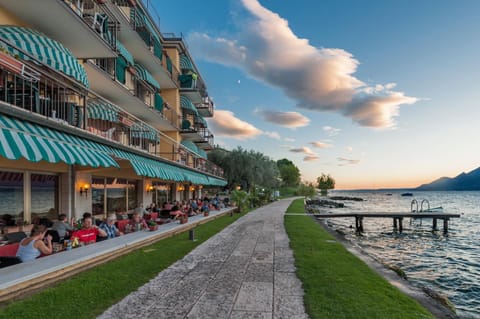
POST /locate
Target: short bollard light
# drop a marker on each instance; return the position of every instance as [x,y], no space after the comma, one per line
[191,234]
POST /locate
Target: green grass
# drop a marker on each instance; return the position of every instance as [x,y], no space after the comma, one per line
[88,294]
[337,284]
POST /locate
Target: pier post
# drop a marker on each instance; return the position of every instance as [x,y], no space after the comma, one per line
[361,224]
[395,223]
[357,224]
[445,225]
[434,226]
[400,224]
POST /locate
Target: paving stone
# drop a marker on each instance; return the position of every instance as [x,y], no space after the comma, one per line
[289,307]
[255,296]
[285,264]
[287,283]
[250,315]
[262,257]
[259,272]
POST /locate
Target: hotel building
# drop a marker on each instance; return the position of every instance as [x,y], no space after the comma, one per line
[99,110]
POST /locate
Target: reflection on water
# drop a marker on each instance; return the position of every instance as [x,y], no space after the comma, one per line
[449,264]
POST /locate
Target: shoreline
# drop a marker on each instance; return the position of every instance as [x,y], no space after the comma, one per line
[406,287]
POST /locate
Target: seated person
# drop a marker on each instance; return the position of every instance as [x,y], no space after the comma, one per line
[176,213]
[88,234]
[62,227]
[32,247]
[109,227]
[136,223]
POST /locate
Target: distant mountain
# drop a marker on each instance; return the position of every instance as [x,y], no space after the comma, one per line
[464,182]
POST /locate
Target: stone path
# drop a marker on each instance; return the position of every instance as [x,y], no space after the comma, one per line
[246,271]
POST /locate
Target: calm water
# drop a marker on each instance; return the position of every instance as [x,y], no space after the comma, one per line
[449,264]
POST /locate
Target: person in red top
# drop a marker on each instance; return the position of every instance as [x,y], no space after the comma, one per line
[88,234]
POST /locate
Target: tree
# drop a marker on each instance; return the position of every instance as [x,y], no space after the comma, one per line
[307,190]
[289,173]
[325,182]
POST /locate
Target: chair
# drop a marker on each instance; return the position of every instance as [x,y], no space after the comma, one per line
[15,237]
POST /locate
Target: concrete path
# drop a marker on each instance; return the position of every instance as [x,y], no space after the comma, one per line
[246,271]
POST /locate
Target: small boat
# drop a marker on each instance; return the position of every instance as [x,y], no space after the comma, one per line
[438,209]
[407,194]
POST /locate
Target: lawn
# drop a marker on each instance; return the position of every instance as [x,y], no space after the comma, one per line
[337,284]
[90,293]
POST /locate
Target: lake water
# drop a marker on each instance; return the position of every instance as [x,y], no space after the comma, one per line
[448,264]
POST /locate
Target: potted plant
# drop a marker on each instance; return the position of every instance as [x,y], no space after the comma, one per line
[206,213]
[183,219]
[152,225]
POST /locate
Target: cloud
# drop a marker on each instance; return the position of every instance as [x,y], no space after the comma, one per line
[349,149]
[345,161]
[225,124]
[289,139]
[273,135]
[303,149]
[311,158]
[321,144]
[331,131]
[318,79]
[287,119]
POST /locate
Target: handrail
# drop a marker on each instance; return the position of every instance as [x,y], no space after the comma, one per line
[424,201]
[414,201]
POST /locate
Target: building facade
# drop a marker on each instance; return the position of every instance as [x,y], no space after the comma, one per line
[99,111]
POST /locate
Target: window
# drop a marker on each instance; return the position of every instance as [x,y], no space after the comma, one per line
[44,194]
[11,197]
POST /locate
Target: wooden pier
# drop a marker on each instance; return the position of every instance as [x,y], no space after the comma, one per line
[397,218]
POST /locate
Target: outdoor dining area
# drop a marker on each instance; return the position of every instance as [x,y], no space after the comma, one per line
[21,278]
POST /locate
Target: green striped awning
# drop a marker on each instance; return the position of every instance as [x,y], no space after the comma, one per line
[187,105]
[20,139]
[125,54]
[200,120]
[46,50]
[216,181]
[144,131]
[186,63]
[144,75]
[202,153]
[99,110]
[190,145]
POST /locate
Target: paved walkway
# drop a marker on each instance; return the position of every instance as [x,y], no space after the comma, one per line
[245,271]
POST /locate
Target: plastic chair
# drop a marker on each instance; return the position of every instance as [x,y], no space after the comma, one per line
[15,237]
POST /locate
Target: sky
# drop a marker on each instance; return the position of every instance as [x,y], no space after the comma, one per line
[378,94]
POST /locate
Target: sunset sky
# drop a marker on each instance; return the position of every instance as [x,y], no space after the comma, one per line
[376,93]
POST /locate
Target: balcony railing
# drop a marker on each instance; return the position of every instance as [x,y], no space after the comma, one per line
[143,91]
[95,16]
[206,108]
[42,91]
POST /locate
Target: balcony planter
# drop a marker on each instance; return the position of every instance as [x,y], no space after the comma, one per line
[152,226]
[11,64]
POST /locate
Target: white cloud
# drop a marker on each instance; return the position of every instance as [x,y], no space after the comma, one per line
[331,131]
[287,119]
[225,124]
[319,144]
[303,149]
[349,149]
[345,161]
[319,79]
[289,139]
[311,158]
[273,135]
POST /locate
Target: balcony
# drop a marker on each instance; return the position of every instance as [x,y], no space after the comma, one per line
[139,36]
[138,99]
[83,26]
[206,107]
[29,92]
[206,143]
